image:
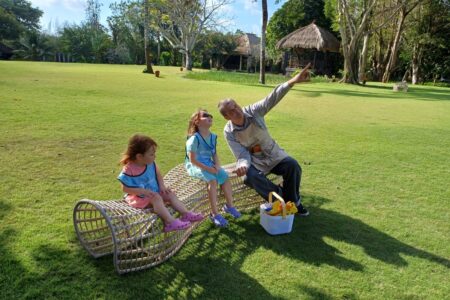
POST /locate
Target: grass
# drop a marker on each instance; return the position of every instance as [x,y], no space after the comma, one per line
[235,77]
[375,178]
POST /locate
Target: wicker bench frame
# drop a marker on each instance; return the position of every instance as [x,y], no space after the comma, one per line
[135,237]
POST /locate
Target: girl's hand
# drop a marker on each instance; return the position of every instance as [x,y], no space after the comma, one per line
[212,170]
[163,190]
[150,194]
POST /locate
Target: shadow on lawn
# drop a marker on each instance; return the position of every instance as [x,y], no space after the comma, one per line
[306,242]
[208,266]
[213,258]
[423,94]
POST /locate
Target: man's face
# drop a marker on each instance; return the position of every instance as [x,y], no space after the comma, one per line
[233,112]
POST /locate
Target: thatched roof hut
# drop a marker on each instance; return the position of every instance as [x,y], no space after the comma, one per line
[247,43]
[311,44]
[243,57]
[310,37]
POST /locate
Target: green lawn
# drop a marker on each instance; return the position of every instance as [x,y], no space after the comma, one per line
[376,180]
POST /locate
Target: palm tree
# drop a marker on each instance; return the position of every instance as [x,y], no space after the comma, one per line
[148,57]
[262,58]
[33,46]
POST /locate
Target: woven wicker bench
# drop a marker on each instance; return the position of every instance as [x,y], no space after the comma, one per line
[135,237]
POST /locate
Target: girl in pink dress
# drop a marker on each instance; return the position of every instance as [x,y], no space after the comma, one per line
[144,186]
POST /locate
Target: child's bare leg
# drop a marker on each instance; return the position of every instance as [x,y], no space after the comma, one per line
[175,203]
[212,195]
[226,188]
[161,210]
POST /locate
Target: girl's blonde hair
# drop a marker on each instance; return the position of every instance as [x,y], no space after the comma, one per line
[138,144]
[192,127]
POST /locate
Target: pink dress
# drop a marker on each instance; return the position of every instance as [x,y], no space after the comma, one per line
[135,176]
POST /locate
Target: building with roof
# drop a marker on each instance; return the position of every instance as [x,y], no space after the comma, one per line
[311,44]
[246,54]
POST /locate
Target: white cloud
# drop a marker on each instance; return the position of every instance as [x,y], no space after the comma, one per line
[43,3]
[74,5]
[226,9]
[251,6]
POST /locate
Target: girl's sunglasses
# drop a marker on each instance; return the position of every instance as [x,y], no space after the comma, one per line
[206,115]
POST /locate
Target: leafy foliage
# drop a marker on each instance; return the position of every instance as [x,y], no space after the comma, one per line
[291,16]
[33,45]
[16,16]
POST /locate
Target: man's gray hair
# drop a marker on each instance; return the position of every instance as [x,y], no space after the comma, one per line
[223,103]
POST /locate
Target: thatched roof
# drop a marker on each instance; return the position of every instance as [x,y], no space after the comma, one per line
[246,44]
[310,37]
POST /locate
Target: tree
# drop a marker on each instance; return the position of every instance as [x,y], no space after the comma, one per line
[126,25]
[33,45]
[86,44]
[93,9]
[353,21]
[17,16]
[291,16]
[262,57]
[425,51]
[148,57]
[405,8]
[214,47]
[181,22]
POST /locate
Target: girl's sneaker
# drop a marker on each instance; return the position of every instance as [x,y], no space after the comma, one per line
[192,217]
[232,211]
[177,224]
[218,220]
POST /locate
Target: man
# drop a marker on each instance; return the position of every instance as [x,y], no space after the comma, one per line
[256,152]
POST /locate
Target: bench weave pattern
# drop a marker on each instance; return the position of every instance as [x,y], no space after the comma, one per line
[135,237]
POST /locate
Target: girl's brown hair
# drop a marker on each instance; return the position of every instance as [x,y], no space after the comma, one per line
[138,144]
[192,127]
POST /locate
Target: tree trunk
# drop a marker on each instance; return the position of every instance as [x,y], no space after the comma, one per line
[262,60]
[415,63]
[350,58]
[350,66]
[396,44]
[394,49]
[189,61]
[351,37]
[363,59]
[148,56]
[158,55]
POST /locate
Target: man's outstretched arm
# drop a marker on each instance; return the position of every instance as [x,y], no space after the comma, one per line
[263,106]
[303,76]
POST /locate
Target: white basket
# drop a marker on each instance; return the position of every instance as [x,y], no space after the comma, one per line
[276,224]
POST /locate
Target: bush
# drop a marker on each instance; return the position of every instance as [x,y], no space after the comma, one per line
[165,58]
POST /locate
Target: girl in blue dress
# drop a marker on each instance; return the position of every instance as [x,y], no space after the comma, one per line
[202,162]
[144,186]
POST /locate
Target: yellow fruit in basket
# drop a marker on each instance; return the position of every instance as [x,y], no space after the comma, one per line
[276,208]
[291,208]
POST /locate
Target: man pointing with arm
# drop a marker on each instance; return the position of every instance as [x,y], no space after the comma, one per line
[256,151]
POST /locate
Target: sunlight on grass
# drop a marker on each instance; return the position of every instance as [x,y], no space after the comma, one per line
[375,178]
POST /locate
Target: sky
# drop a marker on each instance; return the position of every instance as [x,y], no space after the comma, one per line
[242,14]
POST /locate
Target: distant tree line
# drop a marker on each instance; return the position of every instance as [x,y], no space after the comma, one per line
[381,40]
[122,40]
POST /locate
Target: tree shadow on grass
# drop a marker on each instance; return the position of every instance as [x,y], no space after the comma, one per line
[306,243]
[209,265]
[422,94]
